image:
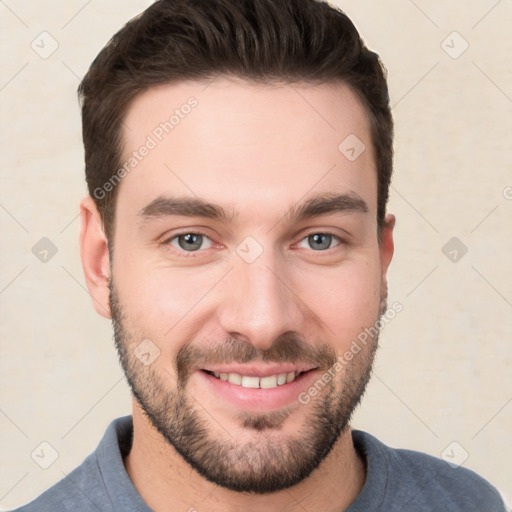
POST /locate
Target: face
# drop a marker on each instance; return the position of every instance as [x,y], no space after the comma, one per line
[246,261]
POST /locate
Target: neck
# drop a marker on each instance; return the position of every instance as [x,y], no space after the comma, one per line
[167,483]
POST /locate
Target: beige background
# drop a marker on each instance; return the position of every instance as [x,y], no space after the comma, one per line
[444,373]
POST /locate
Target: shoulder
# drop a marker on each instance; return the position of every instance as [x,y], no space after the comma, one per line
[423,482]
[79,490]
[94,484]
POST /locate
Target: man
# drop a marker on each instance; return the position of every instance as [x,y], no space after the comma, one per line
[238,158]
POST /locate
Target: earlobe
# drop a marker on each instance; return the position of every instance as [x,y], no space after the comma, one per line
[95,256]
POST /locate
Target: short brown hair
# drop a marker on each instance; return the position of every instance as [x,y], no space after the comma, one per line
[260,40]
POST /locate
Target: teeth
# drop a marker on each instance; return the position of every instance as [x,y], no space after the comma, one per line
[248,381]
[281,379]
[268,382]
[234,378]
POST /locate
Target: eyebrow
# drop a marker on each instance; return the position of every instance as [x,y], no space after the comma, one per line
[185,207]
[322,204]
[326,204]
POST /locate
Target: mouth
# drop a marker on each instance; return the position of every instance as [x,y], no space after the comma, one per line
[256,387]
[258,382]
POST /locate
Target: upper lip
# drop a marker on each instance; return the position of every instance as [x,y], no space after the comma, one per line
[259,370]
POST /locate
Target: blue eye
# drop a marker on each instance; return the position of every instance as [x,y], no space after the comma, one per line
[320,241]
[191,242]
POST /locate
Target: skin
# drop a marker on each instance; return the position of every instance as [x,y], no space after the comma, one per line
[257,151]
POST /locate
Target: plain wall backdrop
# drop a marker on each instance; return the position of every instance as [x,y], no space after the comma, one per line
[443,376]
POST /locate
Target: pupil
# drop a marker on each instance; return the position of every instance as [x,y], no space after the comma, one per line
[190,241]
[320,240]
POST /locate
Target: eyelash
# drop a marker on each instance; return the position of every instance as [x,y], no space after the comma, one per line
[192,254]
[183,253]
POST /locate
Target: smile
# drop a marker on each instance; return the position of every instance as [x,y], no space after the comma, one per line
[250,381]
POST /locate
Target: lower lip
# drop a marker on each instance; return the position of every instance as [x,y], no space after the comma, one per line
[257,399]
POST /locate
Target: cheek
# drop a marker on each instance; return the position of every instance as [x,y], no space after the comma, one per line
[159,301]
[346,300]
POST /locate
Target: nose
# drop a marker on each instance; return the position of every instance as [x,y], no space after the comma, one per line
[259,304]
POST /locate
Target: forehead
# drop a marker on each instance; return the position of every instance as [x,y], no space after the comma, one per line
[246,144]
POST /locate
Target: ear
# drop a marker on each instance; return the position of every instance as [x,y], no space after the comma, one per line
[386,246]
[95,257]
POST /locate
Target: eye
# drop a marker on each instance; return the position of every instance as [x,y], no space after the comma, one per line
[191,242]
[319,241]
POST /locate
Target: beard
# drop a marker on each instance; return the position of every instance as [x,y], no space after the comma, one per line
[260,463]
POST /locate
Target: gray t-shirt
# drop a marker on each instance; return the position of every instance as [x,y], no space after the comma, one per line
[397,480]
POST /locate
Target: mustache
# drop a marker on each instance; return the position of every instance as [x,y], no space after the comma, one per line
[287,348]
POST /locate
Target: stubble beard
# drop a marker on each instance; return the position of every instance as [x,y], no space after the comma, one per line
[264,464]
